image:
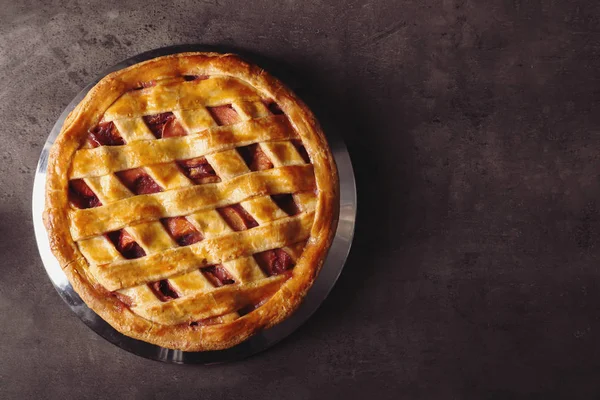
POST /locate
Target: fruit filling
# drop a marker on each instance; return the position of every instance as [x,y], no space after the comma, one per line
[163,290]
[251,307]
[126,244]
[237,218]
[274,262]
[105,134]
[182,231]
[273,107]
[199,170]
[224,115]
[144,85]
[164,125]
[123,299]
[81,196]
[138,181]
[286,203]
[217,275]
[194,77]
[255,158]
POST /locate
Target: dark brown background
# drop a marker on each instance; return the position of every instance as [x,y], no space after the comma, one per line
[474,131]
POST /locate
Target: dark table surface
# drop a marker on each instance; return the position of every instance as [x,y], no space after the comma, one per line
[474,128]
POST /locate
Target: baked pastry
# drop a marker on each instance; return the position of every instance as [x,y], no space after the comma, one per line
[191,200]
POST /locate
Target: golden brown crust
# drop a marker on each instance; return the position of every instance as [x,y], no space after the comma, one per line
[184,337]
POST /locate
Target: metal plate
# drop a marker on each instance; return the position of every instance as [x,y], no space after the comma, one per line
[331,270]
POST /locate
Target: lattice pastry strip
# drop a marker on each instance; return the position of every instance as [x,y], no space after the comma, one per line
[94,221]
[262,209]
[154,267]
[209,223]
[227,164]
[133,129]
[193,282]
[281,153]
[99,250]
[153,238]
[245,270]
[250,109]
[211,92]
[196,120]
[284,154]
[205,305]
[202,305]
[106,159]
[141,295]
[108,188]
[168,176]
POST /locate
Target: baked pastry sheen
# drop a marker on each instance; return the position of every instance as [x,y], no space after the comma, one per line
[191,200]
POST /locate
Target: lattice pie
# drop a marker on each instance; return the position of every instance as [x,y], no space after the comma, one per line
[191,200]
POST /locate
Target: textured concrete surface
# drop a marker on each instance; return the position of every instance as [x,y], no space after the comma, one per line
[474,127]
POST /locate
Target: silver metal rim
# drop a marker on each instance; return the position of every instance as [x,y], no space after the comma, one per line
[324,283]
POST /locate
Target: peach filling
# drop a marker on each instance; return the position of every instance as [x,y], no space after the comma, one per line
[182,231]
[164,125]
[81,196]
[105,134]
[126,244]
[217,275]
[224,115]
[274,262]
[163,290]
[138,181]
[199,170]
[237,218]
[255,158]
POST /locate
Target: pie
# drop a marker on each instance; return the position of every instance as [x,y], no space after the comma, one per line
[191,200]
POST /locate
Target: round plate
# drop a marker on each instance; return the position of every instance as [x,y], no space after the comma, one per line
[324,283]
